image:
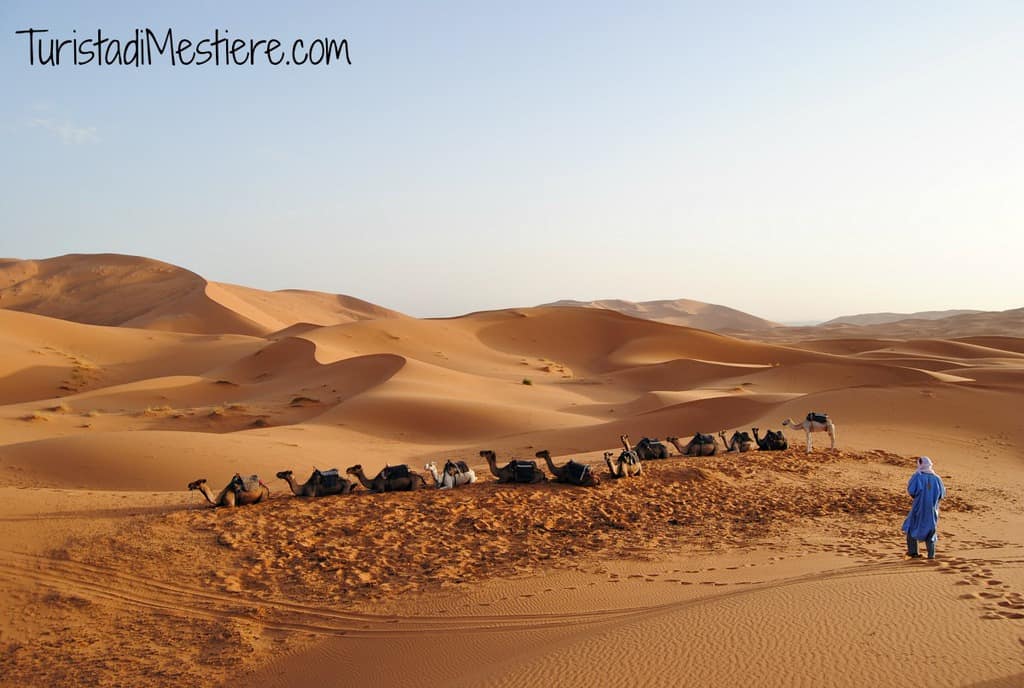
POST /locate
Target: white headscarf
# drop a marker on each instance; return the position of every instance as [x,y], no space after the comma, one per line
[924,465]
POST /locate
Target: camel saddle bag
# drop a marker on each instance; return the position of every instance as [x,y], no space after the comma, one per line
[703,439]
[817,417]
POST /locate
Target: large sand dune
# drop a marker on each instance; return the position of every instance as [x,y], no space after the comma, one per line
[112,289]
[129,378]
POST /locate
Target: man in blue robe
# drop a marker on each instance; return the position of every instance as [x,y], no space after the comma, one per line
[927,489]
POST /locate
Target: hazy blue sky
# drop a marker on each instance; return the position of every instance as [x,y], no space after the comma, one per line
[797,160]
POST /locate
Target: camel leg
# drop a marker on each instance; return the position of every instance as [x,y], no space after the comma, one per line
[808,441]
[832,434]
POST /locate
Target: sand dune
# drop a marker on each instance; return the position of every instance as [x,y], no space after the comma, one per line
[114,574]
[685,312]
[112,289]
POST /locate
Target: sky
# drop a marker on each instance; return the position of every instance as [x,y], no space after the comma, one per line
[795,160]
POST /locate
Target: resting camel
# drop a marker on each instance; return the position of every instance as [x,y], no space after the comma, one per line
[815,422]
[647,448]
[627,464]
[455,473]
[571,472]
[235,494]
[320,483]
[739,442]
[390,479]
[773,440]
[700,445]
[514,471]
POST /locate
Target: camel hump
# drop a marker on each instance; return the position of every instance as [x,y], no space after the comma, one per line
[817,417]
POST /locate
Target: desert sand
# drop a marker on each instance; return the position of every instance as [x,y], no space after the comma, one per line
[122,379]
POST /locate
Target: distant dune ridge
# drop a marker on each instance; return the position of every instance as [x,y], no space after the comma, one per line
[883,318]
[112,289]
[685,312]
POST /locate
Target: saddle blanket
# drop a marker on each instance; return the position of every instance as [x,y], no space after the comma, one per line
[247,484]
[460,466]
[330,478]
[577,472]
[629,457]
[703,439]
[817,417]
[392,472]
[523,471]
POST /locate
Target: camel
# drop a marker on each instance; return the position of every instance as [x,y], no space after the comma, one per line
[390,479]
[514,471]
[773,440]
[571,472]
[647,448]
[320,483]
[815,422]
[238,492]
[454,474]
[700,445]
[627,464]
[739,442]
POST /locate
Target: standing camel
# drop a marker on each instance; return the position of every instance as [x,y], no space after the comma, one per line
[700,445]
[320,483]
[390,479]
[572,472]
[514,471]
[814,422]
[238,492]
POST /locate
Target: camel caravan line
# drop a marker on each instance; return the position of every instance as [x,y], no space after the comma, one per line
[628,464]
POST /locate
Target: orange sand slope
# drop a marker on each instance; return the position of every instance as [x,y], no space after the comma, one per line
[122,379]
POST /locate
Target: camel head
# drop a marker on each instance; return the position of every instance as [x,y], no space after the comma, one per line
[755,429]
[671,439]
[608,455]
[430,465]
[543,454]
[284,475]
[788,422]
[488,455]
[354,470]
[195,484]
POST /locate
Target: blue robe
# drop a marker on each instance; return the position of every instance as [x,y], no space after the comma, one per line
[926,489]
